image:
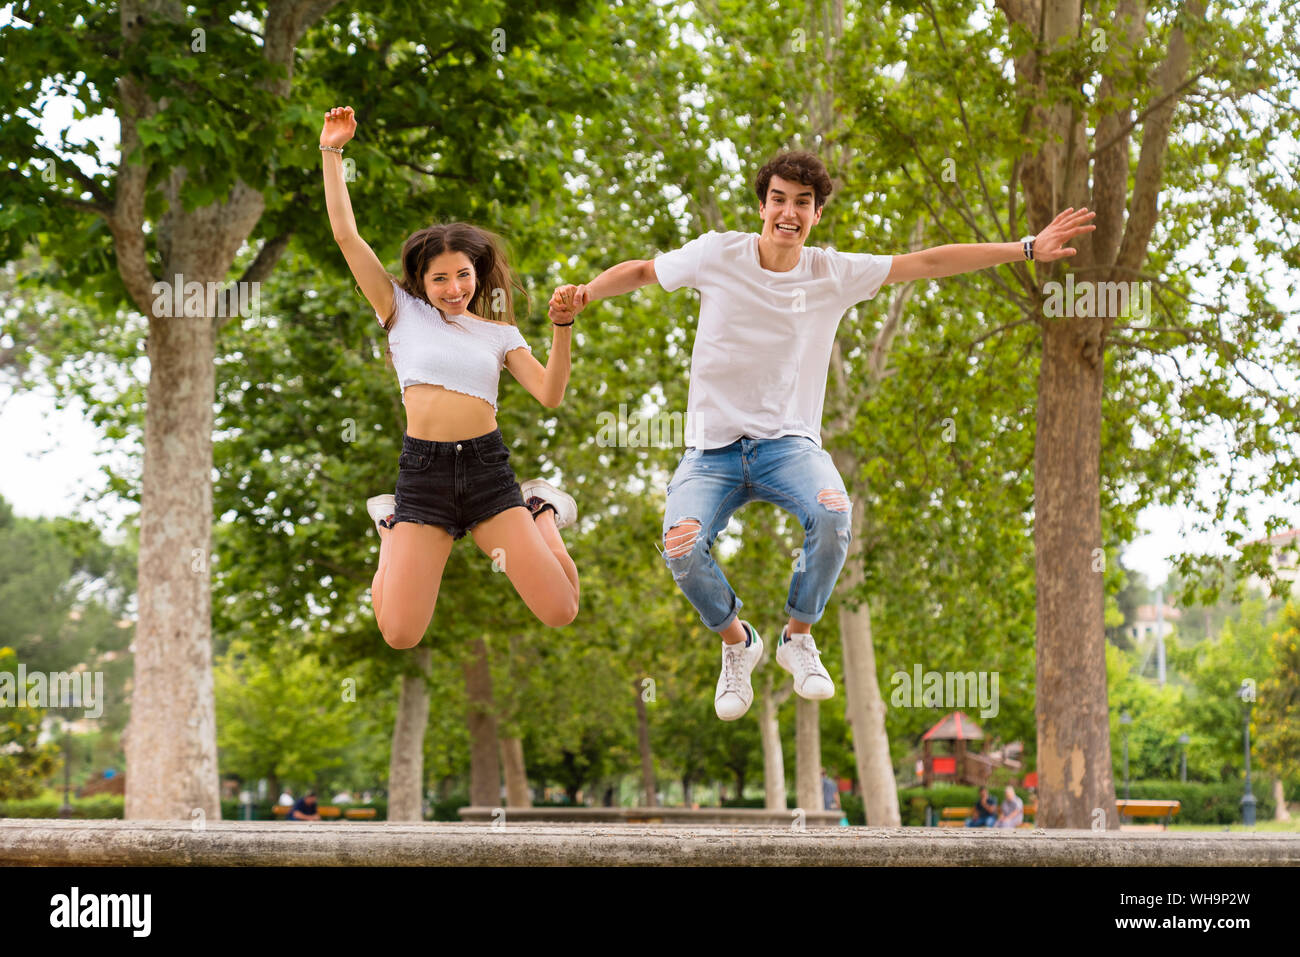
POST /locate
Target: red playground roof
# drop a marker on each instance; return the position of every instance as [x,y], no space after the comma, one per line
[953,727]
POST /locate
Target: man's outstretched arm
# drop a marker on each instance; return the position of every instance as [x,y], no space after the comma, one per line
[614,281]
[950,260]
[617,280]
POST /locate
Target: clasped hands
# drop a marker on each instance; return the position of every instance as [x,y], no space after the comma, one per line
[566,302]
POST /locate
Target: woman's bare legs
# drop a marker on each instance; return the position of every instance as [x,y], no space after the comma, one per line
[532,554]
[405,587]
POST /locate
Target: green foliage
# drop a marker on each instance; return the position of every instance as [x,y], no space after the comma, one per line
[64,594]
[1157,722]
[24,763]
[282,716]
[1276,725]
[1214,711]
[1202,698]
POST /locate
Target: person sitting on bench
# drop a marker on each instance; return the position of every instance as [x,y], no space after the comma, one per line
[985,813]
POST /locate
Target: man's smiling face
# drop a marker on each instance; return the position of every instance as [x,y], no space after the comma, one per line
[789,212]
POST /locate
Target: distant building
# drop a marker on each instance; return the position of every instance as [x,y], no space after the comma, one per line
[1147,620]
[1285,559]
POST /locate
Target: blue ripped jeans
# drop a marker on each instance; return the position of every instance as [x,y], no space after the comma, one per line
[792,472]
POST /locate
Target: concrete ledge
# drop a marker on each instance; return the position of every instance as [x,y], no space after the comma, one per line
[649,815]
[260,843]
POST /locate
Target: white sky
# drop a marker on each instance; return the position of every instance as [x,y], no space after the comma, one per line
[53,456]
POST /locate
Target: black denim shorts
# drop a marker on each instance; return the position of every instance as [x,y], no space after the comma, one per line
[455,484]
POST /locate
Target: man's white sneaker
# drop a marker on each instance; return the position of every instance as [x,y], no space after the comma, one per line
[381,507]
[566,509]
[735,694]
[800,657]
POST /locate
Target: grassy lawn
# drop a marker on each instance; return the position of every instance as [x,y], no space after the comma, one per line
[1287,827]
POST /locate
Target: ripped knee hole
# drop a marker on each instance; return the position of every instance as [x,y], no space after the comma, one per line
[833,499]
[682,543]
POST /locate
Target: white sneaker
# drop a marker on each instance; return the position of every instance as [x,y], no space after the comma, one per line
[800,657]
[735,694]
[381,507]
[566,509]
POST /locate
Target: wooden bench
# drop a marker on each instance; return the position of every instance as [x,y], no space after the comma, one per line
[360,813]
[1163,809]
[956,816]
[327,812]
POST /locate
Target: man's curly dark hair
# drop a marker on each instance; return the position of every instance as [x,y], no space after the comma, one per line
[799,166]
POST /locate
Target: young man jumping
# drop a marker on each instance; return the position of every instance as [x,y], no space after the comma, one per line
[769,308]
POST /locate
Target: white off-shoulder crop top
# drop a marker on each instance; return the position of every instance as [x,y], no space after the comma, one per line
[459,353]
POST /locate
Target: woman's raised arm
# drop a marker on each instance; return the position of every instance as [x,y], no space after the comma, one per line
[340,124]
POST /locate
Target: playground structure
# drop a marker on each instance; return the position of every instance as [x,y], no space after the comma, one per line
[962,765]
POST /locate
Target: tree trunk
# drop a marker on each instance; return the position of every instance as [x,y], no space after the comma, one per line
[512,761]
[807,755]
[643,744]
[1279,799]
[406,764]
[769,702]
[512,746]
[864,707]
[1074,760]
[484,772]
[171,743]
[686,791]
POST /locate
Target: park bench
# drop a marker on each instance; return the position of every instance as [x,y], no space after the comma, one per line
[360,814]
[327,812]
[956,816]
[1164,809]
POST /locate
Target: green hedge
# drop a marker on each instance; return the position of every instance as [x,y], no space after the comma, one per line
[1205,803]
[853,809]
[445,810]
[98,806]
[1200,803]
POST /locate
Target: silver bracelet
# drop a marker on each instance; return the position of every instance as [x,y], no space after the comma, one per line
[334,149]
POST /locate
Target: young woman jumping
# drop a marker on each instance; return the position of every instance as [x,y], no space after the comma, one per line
[454,475]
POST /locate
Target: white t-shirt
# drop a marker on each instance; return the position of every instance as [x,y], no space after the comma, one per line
[464,354]
[763,345]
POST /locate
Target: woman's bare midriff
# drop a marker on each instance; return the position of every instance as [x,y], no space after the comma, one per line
[441,415]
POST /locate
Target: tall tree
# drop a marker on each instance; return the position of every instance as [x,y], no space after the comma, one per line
[1112,95]
[207,167]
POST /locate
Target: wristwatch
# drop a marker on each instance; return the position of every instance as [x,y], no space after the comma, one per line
[1028,243]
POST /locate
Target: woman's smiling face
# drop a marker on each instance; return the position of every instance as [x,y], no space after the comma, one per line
[450,282]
